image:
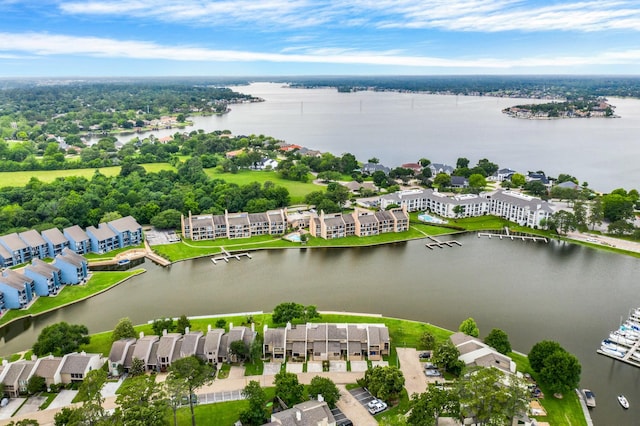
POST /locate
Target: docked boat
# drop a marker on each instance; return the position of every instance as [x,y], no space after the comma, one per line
[632,325]
[612,345]
[635,356]
[589,398]
[618,338]
[623,401]
[612,352]
[628,333]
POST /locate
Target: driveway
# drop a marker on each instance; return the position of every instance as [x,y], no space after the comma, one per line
[414,379]
[11,407]
[63,399]
[353,409]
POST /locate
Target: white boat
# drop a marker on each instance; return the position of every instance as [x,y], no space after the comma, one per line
[623,401]
[635,356]
[628,333]
[631,326]
[610,351]
[612,345]
[618,338]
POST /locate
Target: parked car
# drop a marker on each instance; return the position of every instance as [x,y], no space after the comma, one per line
[432,373]
[430,366]
[376,406]
[4,402]
[425,355]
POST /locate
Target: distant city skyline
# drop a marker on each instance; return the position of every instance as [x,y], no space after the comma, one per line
[59,38]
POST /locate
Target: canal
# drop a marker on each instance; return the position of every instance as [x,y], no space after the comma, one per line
[534,291]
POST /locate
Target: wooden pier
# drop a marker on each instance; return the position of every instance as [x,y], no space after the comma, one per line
[508,234]
[441,244]
[226,256]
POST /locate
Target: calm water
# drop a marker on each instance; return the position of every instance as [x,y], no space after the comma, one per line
[399,128]
[533,291]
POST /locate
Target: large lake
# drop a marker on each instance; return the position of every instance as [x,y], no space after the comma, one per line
[403,127]
[533,291]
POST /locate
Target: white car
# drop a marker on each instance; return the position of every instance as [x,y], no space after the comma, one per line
[376,406]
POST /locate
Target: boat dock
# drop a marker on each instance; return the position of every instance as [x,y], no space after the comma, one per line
[441,244]
[630,347]
[512,236]
[226,256]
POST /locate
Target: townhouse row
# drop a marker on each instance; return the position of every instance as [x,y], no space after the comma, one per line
[158,352]
[326,342]
[71,368]
[19,288]
[276,222]
[21,247]
[514,206]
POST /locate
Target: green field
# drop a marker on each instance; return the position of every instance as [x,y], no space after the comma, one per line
[297,190]
[22,178]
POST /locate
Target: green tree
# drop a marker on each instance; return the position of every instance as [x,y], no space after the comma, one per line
[221,323]
[596,214]
[256,413]
[462,163]
[498,340]
[442,180]
[541,351]
[60,339]
[427,340]
[329,175]
[518,180]
[36,384]
[161,324]
[477,181]
[535,188]
[288,389]
[110,216]
[564,221]
[287,312]
[196,373]
[182,324]
[429,406]
[142,403]
[176,388]
[561,372]
[445,356]
[469,327]
[385,383]
[325,387]
[123,330]
[617,207]
[91,410]
[137,368]
[239,349]
[485,399]
[167,219]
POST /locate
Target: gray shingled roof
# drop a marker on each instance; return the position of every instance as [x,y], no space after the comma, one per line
[76,233]
[55,236]
[102,232]
[13,242]
[47,367]
[75,364]
[127,223]
[32,238]
[117,349]
[167,344]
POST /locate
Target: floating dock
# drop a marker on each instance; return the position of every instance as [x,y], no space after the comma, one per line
[512,236]
[441,244]
[632,354]
[226,256]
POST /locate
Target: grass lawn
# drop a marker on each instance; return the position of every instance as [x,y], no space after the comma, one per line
[224,413]
[190,249]
[97,283]
[22,178]
[565,411]
[297,190]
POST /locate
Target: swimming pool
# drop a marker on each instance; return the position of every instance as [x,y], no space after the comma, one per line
[293,237]
[430,219]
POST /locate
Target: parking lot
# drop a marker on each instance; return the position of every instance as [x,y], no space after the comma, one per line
[340,418]
[156,237]
[363,396]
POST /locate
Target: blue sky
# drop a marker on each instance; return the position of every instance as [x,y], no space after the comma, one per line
[318,37]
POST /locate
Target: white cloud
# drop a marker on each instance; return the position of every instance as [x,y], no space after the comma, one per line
[450,15]
[44,44]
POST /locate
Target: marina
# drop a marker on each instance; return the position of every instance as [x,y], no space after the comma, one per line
[226,256]
[512,236]
[441,244]
[624,344]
